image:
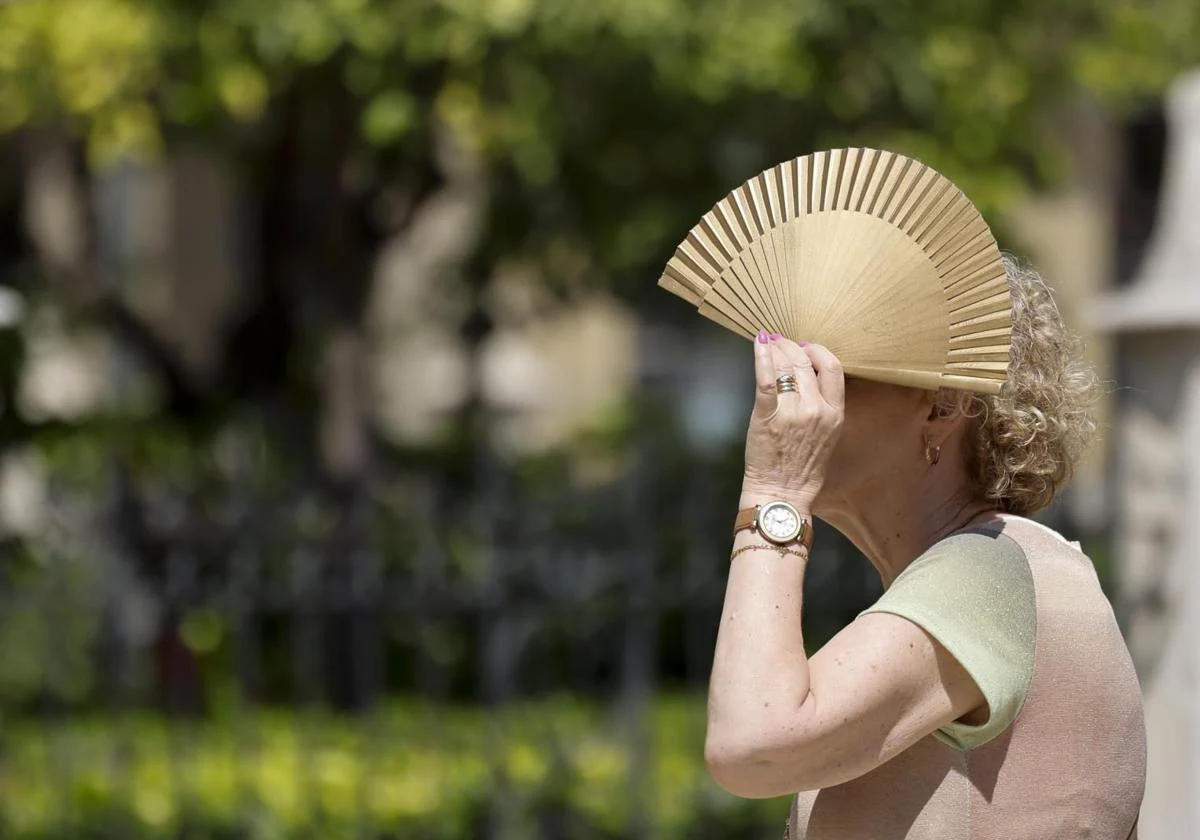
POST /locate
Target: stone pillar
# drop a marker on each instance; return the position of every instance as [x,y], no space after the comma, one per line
[1157,322]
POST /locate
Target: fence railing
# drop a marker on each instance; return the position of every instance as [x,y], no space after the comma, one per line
[513,649]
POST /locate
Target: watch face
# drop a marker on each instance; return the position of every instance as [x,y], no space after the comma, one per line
[779,521]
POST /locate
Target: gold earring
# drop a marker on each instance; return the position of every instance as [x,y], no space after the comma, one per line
[933,454]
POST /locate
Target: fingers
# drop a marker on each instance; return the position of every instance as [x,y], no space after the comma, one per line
[790,358]
[765,398]
[818,372]
[830,378]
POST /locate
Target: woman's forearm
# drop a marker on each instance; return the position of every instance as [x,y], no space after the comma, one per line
[760,676]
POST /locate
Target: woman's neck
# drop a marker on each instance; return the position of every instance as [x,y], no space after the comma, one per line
[892,526]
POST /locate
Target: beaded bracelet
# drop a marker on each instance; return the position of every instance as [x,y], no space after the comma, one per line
[782,549]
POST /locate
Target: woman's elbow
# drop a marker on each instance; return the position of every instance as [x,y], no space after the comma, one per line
[749,767]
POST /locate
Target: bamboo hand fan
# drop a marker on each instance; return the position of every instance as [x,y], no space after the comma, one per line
[870,253]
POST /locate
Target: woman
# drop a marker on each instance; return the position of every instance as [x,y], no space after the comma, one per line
[988,693]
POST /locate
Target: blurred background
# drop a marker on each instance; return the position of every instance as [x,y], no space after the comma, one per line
[356,480]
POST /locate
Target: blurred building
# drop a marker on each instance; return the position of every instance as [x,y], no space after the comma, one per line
[1157,319]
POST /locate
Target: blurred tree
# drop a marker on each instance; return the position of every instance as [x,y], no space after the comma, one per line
[601,129]
[594,133]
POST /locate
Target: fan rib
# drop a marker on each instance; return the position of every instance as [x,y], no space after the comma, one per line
[897,186]
[797,173]
[934,211]
[732,206]
[957,278]
[767,194]
[718,237]
[720,303]
[751,291]
[817,186]
[976,269]
[993,367]
[980,354]
[937,196]
[846,175]
[687,264]
[810,163]
[778,281]
[695,262]
[762,255]
[750,210]
[988,321]
[881,183]
[985,287]
[985,338]
[972,235]
[972,383]
[679,287]
[931,181]
[997,302]
[721,217]
[779,173]
[959,263]
[909,178]
[762,195]
[708,311]
[834,183]
[702,249]
[945,220]
[759,271]
[786,192]
[865,182]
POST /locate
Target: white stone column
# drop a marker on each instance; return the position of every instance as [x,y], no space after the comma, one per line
[1159,316]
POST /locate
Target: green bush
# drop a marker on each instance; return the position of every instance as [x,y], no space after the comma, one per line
[550,769]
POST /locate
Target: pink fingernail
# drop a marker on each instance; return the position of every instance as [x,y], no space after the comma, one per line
[762,336]
[775,337]
[802,343]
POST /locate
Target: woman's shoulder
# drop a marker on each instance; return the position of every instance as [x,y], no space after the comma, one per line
[1013,526]
[1006,540]
[986,548]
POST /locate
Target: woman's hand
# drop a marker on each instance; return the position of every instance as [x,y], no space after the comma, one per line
[792,435]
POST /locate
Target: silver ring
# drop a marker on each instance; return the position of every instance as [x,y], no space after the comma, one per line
[785,384]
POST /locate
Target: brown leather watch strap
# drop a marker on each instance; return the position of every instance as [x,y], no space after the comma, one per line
[806,535]
[745,519]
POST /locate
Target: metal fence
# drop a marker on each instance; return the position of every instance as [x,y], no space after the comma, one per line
[463,647]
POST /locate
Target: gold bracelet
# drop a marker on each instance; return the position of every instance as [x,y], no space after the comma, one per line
[782,549]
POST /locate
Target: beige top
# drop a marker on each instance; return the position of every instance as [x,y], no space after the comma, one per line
[1063,753]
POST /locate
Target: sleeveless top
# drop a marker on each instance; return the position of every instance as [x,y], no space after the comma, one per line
[1063,754]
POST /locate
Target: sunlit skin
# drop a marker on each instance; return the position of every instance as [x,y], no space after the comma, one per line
[879,490]
[853,453]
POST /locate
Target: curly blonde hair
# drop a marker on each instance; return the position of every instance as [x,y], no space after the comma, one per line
[1025,441]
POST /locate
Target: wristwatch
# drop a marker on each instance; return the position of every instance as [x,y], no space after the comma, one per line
[777,522]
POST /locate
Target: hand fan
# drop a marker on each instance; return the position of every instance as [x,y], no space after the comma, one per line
[870,253]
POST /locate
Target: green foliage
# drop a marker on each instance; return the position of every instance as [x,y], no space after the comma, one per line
[407,771]
[959,83]
[1143,47]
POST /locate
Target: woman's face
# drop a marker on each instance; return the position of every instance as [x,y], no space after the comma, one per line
[880,441]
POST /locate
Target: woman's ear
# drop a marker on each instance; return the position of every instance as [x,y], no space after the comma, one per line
[946,407]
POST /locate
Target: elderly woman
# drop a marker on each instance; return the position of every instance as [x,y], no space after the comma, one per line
[988,693]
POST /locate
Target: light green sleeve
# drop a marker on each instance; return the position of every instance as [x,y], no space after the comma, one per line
[973,592]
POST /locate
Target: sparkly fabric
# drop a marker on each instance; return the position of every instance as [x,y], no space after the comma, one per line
[1070,765]
[973,592]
